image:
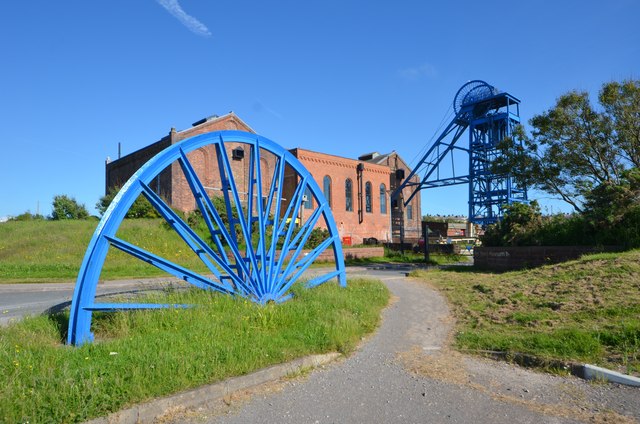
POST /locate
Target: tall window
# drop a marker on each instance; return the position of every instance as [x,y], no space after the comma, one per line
[383,199]
[367,196]
[409,212]
[308,202]
[348,195]
[326,188]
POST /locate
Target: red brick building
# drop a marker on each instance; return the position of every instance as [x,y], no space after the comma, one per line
[171,183]
[358,190]
[359,194]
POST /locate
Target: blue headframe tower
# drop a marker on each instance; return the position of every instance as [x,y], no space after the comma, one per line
[490,116]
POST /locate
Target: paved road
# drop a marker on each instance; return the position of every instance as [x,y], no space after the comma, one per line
[18,300]
[406,374]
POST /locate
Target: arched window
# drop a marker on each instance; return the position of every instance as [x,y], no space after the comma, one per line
[308,201]
[348,195]
[326,188]
[383,199]
[367,197]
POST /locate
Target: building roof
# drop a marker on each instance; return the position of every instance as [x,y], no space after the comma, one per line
[377,157]
[213,119]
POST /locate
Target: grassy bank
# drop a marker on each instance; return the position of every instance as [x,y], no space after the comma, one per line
[146,354]
[52,251]
[585,311]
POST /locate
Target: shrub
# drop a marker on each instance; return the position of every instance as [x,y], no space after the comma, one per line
[27,216]
[141,208]
[65,207]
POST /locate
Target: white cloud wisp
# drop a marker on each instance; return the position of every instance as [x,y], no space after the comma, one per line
[194,25]
[426,70]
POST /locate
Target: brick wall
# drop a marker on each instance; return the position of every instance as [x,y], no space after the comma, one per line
[119,171]
[356,223]
[353,253]
[172,185]
[512,258]
[348,253]
[411,223]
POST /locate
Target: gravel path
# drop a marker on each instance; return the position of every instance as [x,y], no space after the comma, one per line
[405,373]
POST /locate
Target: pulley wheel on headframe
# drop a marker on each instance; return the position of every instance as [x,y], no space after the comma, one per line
[254,246]
[471,93]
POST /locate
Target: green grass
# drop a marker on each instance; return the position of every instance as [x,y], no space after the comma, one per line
[145,354]
[586,310]
[52,251]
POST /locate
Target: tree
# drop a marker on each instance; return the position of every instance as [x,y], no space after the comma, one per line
[517,227]
[65,207]
[141,208]
[609,204]
[574,148]
[621,102]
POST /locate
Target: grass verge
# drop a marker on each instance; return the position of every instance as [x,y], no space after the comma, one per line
[145,354]
[586,310]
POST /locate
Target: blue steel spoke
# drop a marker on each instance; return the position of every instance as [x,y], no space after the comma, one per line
[208,209]
[261,248]
[252,191]
[185,232]
[250,194]
[112,307]
[311,256]
[167,266]
[229,184]
[306,260]
[273,188]
[302,236]
[321,279]
[289,215]
[305,231]
[220,153]
[275,232]
[204,204]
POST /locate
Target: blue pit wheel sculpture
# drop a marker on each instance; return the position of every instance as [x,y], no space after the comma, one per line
[274,227]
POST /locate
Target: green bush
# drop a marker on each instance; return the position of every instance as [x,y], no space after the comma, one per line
[141,208]
[65,207]
[611,217]
[27,216]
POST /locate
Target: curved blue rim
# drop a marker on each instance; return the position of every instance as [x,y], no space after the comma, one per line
[258,274]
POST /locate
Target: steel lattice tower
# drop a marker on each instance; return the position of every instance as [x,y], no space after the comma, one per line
[490,116]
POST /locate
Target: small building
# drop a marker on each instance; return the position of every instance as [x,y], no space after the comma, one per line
[358,191]
[446,230]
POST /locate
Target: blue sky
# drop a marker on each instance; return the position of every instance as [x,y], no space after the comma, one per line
[343,77]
